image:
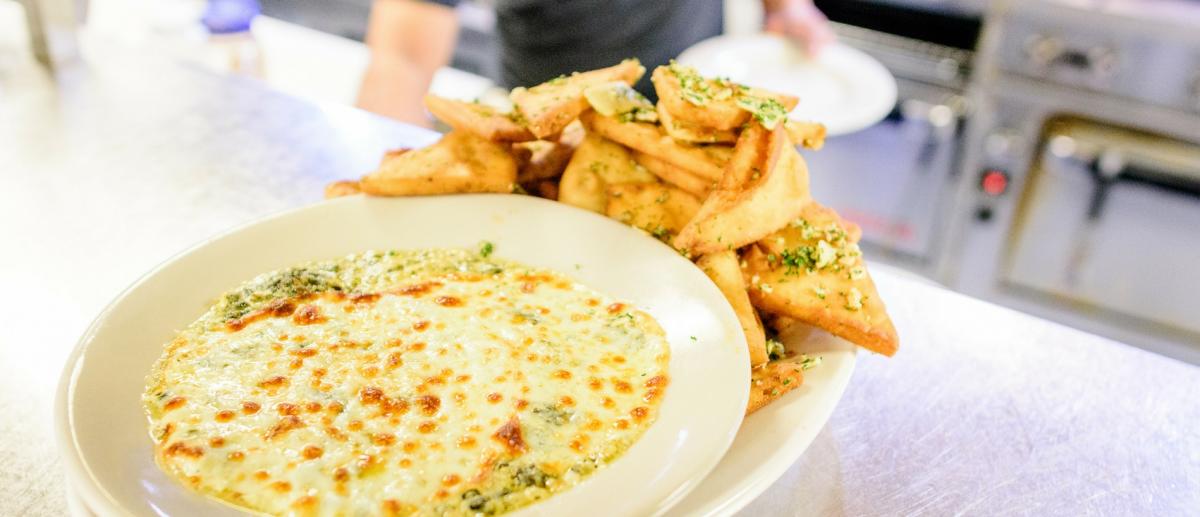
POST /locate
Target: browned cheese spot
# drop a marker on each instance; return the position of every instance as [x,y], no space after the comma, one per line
[312,452]
[622,386]
[509,435]
[364,297]
[449,301]
[284,425]
[383,439]
[179,448]
[273,383]
[370,395]
[418,289]
[308,315]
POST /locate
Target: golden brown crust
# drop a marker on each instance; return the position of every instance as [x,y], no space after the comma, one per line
[773,380]
[459,162]
[677,176]
[810,135]
[548,107]
[342,188]
[765,186]
[822,297]
[706,161]
[485,121]
[659,209]
[717,114]
[722,268]
[692,133]
[597,163]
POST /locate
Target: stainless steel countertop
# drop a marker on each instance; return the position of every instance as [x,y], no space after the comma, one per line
[128,161]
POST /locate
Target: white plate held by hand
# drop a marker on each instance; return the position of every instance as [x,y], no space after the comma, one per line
[843,88]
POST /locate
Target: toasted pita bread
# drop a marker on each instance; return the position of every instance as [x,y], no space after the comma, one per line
[708,103]
[813,271]
[597,163]
[723,269]
[773,380]
[547,189]
[706,161]
[809,135]
[677,176]
[342,188]
[485,121]
[460,162]
[548,107]
[661,210]
[692,133]
[764,187]
[787,330]
[545,159]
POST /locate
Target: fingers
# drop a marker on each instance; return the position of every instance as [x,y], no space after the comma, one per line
[802,22]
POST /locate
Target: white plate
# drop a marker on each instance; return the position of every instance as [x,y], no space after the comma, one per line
[843,88]
[102,430]
[774,437]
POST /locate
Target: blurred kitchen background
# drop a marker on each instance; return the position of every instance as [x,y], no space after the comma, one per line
[1044,155]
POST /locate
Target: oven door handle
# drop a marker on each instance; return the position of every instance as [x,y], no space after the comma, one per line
[1109,164]
[940,120]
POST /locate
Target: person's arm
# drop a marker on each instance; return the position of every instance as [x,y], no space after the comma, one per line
[409,41]
[799,20]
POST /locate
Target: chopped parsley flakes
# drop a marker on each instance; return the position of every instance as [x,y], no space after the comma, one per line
[768,112]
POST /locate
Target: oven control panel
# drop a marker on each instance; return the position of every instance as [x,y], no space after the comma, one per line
[1151,55]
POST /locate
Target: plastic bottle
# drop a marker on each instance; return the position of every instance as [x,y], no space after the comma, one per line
[232,46]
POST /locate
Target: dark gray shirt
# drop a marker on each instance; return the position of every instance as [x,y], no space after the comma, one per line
[541,39]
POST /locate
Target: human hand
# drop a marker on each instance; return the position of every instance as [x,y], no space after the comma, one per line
[801,22]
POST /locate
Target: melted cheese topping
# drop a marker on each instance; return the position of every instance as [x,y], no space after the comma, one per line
[435,382]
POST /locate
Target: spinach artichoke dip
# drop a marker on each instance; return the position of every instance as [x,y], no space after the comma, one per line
[434,382]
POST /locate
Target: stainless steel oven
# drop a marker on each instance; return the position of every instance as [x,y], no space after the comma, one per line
[896,179]
[1081,199]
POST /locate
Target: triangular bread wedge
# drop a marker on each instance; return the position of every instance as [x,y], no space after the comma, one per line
[459,162]
[784,373]
[813,271]
[597,163]
[548,107]
[810,135]
[764,187]
[773,380]
[659,209]
[342,188]
[485,121]
[711,103]
[706,161]
[544,159]
[723,269]
[675,175]
[690,132]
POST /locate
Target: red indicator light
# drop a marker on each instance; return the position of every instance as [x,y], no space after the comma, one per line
[994,182]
